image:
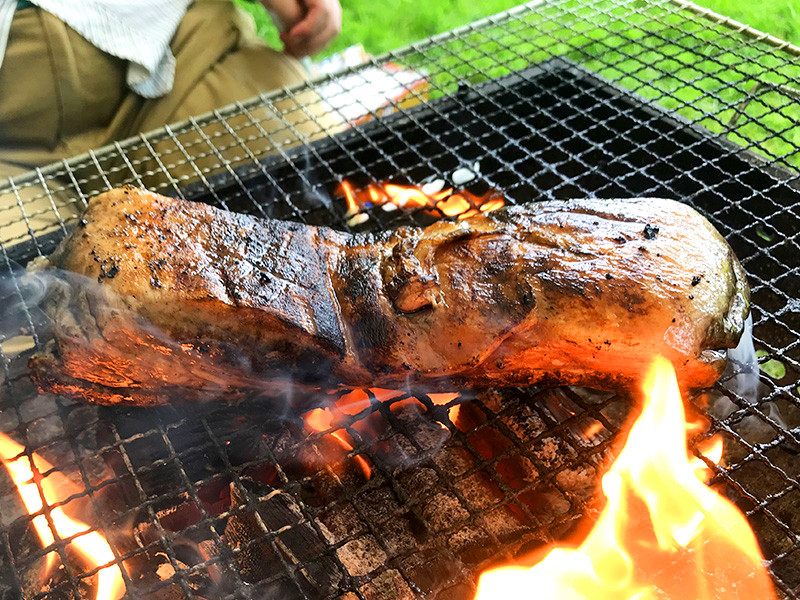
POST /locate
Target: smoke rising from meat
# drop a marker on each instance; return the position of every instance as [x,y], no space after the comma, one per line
[743,379]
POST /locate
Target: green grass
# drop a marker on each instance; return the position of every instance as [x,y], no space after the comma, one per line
[780,18]
[679,61]
[384,26]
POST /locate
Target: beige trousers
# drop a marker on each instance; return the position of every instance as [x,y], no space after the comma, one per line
[60,96]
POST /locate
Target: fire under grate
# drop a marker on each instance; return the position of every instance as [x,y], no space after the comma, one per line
[222,502]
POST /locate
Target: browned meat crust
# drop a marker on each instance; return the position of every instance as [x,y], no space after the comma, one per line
[194,303]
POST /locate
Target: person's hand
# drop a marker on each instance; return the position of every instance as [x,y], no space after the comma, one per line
[285,13]
[321,22]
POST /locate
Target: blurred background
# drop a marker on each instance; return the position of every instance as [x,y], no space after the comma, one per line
[383,26]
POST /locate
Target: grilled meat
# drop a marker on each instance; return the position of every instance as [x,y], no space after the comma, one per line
[161,300]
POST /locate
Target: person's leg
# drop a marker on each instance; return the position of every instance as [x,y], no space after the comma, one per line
[218,64]
[79,100]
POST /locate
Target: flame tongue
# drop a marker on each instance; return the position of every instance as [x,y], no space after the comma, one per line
[663,534]
[446,202]
[56,488]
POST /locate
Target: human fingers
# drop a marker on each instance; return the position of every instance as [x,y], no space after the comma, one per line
[322,23]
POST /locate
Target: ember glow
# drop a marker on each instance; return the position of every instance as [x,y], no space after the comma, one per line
[447,202]
[321,419]
[331,420]
[55,487]
[663,533]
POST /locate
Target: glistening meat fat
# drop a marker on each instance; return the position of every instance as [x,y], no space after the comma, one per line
[159,300]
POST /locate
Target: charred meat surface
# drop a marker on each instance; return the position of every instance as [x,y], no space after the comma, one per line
[160,300]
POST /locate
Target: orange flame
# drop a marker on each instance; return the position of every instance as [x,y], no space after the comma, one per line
[447,202]
[55,488]
[321,419]
[662,534]
[329,420]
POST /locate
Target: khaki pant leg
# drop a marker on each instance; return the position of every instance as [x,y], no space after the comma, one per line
[70,97]
[219,64]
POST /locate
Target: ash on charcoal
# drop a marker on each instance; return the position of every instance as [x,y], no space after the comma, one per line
[426,434]
[37,406]
[580,481]
[361,556]
[454,460]
[506,524]
[339,522]
[524,422]
[443,511]
[398,452]
[398,533]
[416,482]
[45,430]
[389,585]
[430,570]
[479,491]
[378,504]
[471,543]
[8,420]
[553,452]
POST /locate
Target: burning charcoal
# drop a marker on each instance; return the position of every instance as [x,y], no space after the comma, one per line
[460,591]
[45,430]
[454,460]
[284,537]
[429,570]
[580,481]
[417,481]
[160,570]
[8,420]
[489,442]
[546,503]
[443,511]
[38,406]
[11,507]
[396,452]
[361,556]
[788,569]
[397,534]
[553,452]
[479,491]
[429,436]
[171,591]
[379,504]
[524,422]
[389,585]
[279,588]
[517,471]
[340,522]
[35,579]
[507,525]
[471,544]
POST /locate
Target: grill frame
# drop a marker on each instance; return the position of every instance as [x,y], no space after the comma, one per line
[194,143]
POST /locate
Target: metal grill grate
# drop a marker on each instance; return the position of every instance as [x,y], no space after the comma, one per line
[554,100]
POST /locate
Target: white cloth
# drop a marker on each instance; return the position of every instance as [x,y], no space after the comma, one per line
[138,31]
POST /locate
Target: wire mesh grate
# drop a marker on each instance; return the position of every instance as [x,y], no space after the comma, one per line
[551,100]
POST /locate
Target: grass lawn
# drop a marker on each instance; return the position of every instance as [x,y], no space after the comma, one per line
[384,26]
[684,65]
